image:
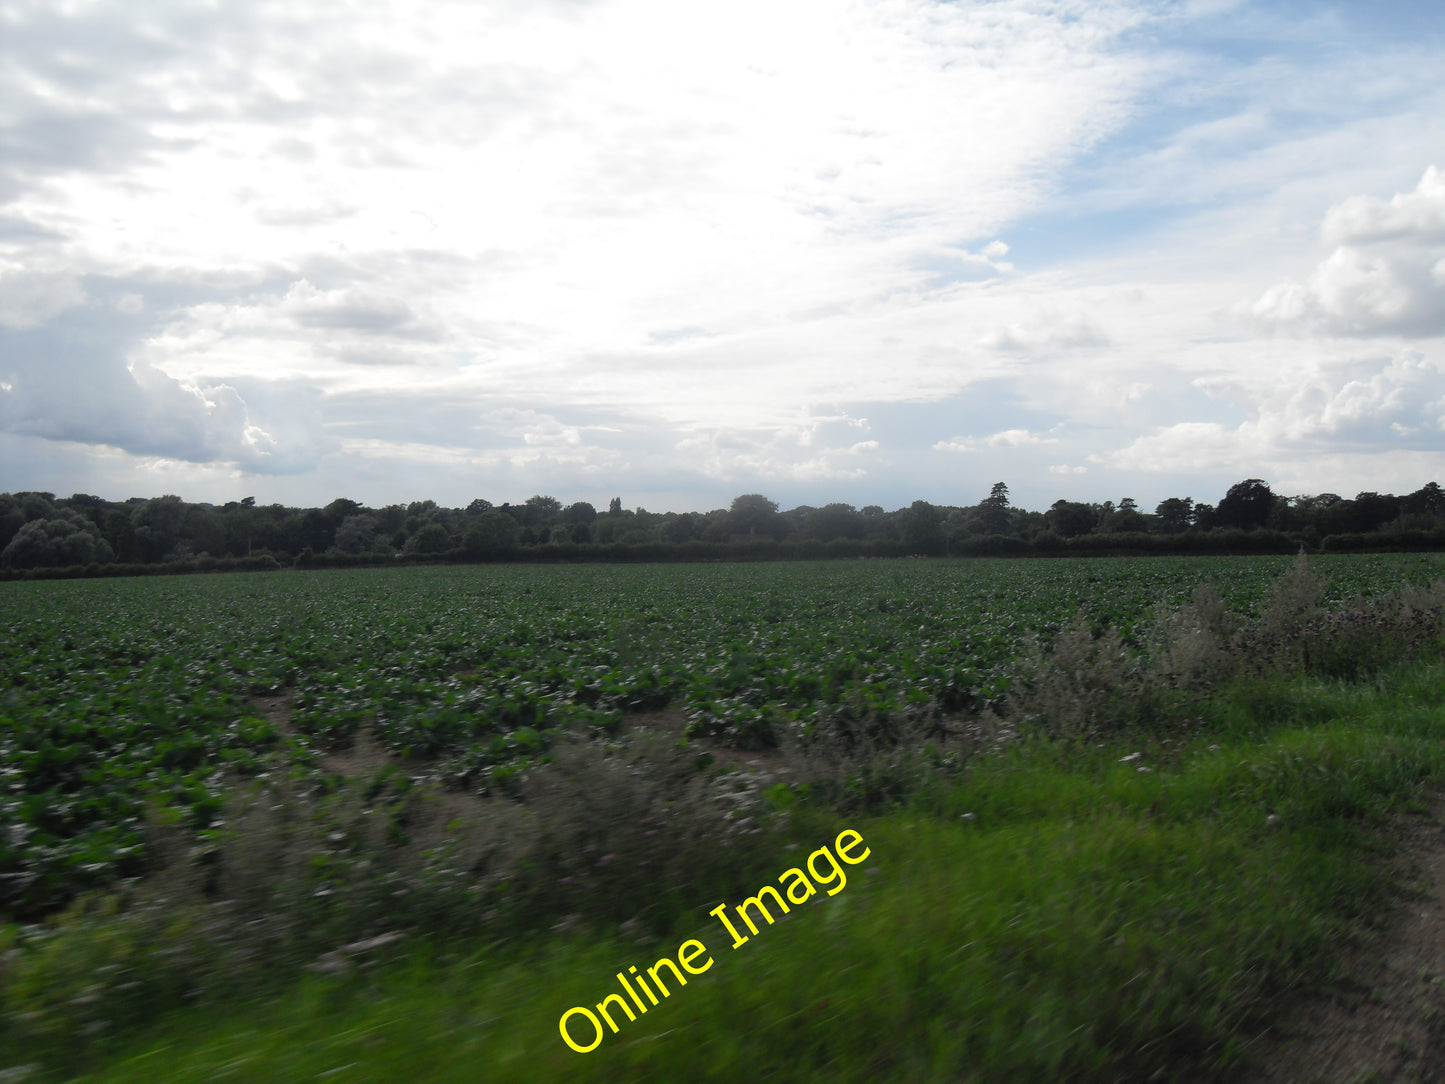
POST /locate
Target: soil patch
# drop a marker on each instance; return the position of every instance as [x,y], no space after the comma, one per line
[361,758]
[1384,1021]
[768,766]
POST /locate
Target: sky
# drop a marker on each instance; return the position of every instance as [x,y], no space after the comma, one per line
[674,252]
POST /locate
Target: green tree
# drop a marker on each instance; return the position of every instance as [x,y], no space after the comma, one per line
[993,510]
[754,515]
[834,521]
[1428,500]
[65,538]
[12,518]
[432,538]
[1069,519]
[1127,517]
[158,526]
[490,534]
[921,526]
[541,511]
[1175,514]
[684,528]
[360,534]
[1246,505]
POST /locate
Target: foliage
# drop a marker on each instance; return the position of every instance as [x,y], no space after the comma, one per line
[66,538]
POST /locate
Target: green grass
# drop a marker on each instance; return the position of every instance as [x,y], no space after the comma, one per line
[1053,913]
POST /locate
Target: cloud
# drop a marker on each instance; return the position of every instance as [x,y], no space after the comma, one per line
[30,299]
[1046,331]
[1189,446]
[1417,216]
[1007,438]
[735,455]
[358,309]
[1385,275]
[1387,404]
[56,387]
[512,244]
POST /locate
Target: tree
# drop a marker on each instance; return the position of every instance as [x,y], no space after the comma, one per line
[541,511]
[340,508]
[359,534]
[580,513]
[993,510]
[478,506]
[36,505]
[1069,519]
[684,528]
[12,518]
[202,530]
[614,506]
[432,538]
[1247,505]
[158,526]
[754,515]
[1371,511]
[121,534]
[1127,517]
[65,538]
[491,533]
[834,521]
[1428,500]
[921,526]
[1175,514]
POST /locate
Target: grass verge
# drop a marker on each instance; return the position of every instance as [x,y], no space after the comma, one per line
[1122,906]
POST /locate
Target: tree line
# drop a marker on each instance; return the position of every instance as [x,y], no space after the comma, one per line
[90,535]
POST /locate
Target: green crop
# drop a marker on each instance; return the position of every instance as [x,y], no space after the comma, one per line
[123,701]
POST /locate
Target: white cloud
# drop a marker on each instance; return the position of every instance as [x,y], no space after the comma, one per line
[1017,438]
[1190,446]
[1396,403]
[1382,276]
[957,444]
[1046,331]
[1417,216]
[1006,438]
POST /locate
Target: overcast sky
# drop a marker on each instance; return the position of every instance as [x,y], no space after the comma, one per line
[677,251]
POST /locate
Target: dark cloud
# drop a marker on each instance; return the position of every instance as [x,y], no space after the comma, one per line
[354,311]
[71,381]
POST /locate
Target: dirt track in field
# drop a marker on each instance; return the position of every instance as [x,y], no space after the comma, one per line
[1384,1021]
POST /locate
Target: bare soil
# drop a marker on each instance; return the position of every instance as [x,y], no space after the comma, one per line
[1384,1019]
[364,756]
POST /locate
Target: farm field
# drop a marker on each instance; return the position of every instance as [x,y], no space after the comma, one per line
[121,693]
[136,705]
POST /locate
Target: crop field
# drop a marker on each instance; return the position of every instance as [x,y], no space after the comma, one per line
[256,773]
[124,695]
